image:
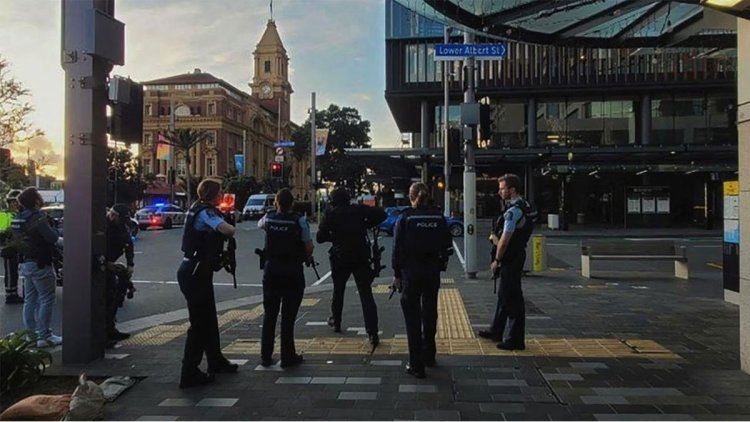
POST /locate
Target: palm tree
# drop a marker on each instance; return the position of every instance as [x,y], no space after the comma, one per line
[183,140]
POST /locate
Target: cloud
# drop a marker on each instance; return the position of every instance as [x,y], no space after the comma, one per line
[41,150]
[361,97]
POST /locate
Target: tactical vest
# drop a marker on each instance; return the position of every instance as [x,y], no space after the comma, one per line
[30,243]
[522,233]
[199,244]
[284,238]
[350,244]
[424,232]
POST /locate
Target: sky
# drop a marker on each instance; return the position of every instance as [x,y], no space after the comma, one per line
[336,49]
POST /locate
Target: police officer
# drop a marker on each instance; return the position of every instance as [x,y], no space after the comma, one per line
[422,246]
[288,245]
[509,256]
[118,242]
[203,244]
[9,252]
[37,241]
[346,225]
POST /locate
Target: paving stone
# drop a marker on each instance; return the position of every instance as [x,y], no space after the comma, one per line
[328,380]
[357,395]
[157,418]
[436,415]
[177,402]
[506,383]
[563,377]
[364,380]
[637,391]
[502,408]
[642,417]
[604,400]
[293,380]
[590,365]
[386,362]
[217,402]
[410,388]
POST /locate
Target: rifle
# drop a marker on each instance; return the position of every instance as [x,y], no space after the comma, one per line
[377,253]
[229,256]
[261,257]
[495,276]
[314,265]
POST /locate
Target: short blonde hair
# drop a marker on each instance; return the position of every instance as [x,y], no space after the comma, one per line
[209,188]
[419,192]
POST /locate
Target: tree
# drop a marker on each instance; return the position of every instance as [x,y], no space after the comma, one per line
[183,140]
[14,111]
[346,130]
[124,176]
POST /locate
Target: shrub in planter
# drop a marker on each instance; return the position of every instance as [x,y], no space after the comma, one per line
[21,362]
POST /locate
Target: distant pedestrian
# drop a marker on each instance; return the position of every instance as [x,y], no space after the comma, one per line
[288,245]
[9,251]
[509,254]
[202,244]
[422,247]
[346,225]
[37,243]
[119,242]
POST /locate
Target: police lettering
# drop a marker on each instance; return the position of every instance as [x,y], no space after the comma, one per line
[427,225]
[278,228]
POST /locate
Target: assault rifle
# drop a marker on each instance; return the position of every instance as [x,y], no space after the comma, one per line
[314,265]
[229,255]
[377,252]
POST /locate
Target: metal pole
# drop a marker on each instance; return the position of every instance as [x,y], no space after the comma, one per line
[313,148]
[85,176]
[170,169]
[470,177]
[244,151]
[446,164]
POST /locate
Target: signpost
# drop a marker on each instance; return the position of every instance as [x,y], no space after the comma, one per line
[284,144]
[464,51]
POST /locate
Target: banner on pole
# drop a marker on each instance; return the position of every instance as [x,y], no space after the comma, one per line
[321,140]
[163,149]
[239,163]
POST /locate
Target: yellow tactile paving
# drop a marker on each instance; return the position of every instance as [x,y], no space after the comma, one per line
[453,321]
[447,281]
[157,336]
[310,301]
[241,315]
[381,288]
[559,347]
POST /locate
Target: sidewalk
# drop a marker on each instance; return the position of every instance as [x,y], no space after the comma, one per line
[639,348]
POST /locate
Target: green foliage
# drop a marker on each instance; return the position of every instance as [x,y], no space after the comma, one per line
[183,140]
[14,111]
[124,175]
[346,130]
[21,363]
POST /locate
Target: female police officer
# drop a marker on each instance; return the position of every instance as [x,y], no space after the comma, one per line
[288,246]
[422,246]
[203,243]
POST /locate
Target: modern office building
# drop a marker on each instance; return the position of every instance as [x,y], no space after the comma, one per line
[237,122]
[603,129]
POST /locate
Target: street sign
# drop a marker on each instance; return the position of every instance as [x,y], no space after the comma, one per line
[279,158]
[463,51]
[284,144]
[279,151]
[239,163]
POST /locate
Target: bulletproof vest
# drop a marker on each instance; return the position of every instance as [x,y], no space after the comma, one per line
[522,233]
[425,230]
[284,238]
[349,234]
[200,244]
[31,245]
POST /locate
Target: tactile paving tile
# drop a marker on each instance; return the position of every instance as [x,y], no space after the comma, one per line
[381,289]
[157,336]
[453,321]
[240,315]
[447,281]
[310,301]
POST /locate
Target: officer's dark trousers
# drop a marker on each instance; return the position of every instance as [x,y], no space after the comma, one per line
[110,301]
[419,297]
[280,293]
[363,277]
[510,304]
[11,275]
[196,284]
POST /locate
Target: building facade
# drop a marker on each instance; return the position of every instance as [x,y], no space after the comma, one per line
[237,122]
[624,135]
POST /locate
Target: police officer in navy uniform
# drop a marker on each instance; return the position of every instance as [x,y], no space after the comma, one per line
[9,252]
[203,244]
[509,256]
[346,225]
[422,247]
[288,245]
[119,242]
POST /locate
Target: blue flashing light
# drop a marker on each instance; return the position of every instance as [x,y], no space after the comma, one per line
[160,204]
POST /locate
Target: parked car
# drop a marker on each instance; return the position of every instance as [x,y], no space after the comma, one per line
[257,206]
[160,215]
[455,225]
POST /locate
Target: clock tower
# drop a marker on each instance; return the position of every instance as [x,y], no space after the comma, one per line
[270,82]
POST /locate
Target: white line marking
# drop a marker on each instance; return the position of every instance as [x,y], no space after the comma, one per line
[174,282]
[322,279]
[458,253]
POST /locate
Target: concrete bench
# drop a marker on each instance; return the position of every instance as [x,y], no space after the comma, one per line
[646,250]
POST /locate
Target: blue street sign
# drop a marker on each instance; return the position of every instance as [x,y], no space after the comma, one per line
[239,163]
[462,51]
[284,144]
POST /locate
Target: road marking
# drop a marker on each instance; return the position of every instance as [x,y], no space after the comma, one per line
[458,253]
[322,279]
[715,265]
[174,282]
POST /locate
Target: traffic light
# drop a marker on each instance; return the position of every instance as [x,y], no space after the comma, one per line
[276,170]
[440,184]
[485,124]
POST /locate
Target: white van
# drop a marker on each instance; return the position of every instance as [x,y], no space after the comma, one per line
[257,205]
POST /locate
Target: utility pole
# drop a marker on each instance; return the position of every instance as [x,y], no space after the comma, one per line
[313,151]
[470,175]
[172,177]
[86,65]
[446,141]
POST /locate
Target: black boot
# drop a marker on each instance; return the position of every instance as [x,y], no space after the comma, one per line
[194,377]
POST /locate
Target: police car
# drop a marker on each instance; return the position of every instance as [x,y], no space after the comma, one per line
[455,225]
[160,215]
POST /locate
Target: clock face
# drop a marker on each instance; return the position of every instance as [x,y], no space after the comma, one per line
[265,89]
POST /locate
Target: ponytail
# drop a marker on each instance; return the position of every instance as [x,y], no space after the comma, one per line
[418,194]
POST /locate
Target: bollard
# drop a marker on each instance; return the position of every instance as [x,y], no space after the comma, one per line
[536,254]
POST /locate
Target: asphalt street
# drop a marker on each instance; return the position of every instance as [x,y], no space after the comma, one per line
[158,255]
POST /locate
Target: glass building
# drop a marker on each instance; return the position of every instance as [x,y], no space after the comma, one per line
[583,106]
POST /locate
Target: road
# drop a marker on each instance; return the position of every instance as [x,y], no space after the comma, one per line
[158,255]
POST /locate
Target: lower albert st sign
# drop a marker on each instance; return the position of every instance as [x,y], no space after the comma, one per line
[462,51]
